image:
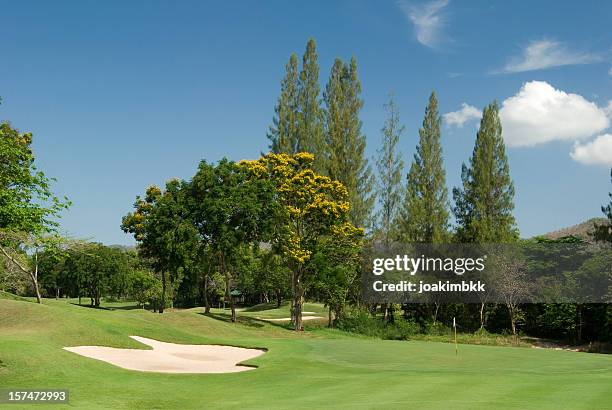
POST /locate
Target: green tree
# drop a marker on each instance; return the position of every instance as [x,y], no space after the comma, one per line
[229,210]
[310,117]
[312,207]
[283,133]
[336,264]
[99,271]
[145,287]
[25,251]
[28,207]
[484,204]
[160,224]
[297,125]
[425,211]
[346,161]
[274,275]
[390,166]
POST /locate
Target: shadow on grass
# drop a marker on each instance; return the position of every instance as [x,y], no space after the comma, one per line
[254,322]
[90,306]
[131,307]
[243,320]
[246,320]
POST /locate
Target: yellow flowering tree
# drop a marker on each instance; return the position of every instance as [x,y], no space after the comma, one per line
[313,207]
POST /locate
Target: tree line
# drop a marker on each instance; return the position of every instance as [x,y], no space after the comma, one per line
[293,223]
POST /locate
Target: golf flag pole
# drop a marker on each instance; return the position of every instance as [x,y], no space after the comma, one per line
[455,328]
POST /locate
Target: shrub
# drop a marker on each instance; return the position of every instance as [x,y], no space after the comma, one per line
[437,329]
[361,321]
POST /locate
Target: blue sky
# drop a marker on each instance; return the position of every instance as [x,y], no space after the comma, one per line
[120,95]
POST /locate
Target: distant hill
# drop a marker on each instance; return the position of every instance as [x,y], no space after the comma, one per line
[125,248]
[582,230]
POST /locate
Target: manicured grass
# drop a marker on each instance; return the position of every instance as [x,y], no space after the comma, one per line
[270,311]
[314,369]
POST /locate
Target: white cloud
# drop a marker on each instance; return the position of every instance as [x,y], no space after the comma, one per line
[460,117]
[539,113]
[610,72]
[596,152]
[608,109]
[542,54]
[428,20]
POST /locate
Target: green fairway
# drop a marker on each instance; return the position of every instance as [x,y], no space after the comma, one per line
[270,311]
[314,369]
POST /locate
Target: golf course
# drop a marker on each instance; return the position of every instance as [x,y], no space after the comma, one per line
[317,368]
[305,205]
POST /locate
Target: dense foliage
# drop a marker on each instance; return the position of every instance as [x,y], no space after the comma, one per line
[293,223]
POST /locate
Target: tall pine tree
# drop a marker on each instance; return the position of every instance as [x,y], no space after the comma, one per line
[283,133]
[484,204]
[298,121]
[345,159]
[390,166]
[425,212]
[310,113]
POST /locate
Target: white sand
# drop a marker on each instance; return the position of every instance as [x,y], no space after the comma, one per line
[173,358]
[284,319]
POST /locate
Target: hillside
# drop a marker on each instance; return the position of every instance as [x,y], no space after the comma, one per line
[582,230]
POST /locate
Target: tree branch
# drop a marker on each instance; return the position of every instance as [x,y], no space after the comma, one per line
[14,261]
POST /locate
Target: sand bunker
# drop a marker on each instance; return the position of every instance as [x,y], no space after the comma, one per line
[284,319]
[173,358]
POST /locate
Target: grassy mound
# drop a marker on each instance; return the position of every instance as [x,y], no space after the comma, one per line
[314,369]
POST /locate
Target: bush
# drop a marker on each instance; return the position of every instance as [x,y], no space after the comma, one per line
[361,322]
[437,329]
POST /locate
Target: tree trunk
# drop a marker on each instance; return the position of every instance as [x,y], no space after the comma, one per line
[482,306]
[228,286]
[233,307]
[32,274]
[36,288]
[330,318]
[228,295]
[171,291]
[279,298]
[162,303]
[34,277]
[435,316]
[206,302]
[57,293]
[512,320]
[38,297]
[298,302]
[579,330]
